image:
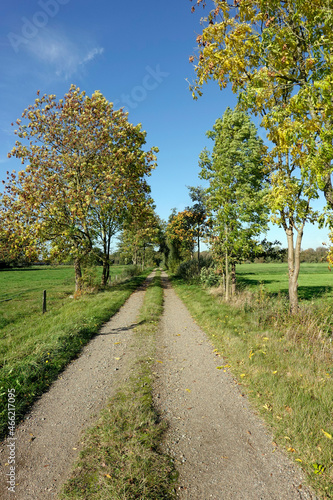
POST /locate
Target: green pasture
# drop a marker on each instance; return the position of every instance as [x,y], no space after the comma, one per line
[315,280]
[35,347]
[21,290]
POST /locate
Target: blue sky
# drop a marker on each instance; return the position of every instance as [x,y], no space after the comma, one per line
[137,55]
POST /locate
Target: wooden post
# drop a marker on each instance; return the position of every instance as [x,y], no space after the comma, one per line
[44,301]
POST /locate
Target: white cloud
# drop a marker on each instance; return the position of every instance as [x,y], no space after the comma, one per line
[92,54]
[61,54]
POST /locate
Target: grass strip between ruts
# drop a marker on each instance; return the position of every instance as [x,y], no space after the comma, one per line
[121,457]
[285,381]
[49,342]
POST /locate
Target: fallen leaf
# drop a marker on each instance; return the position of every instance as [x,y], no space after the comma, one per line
[292,450]
[188,390]
[318,468]
[158,361]
[329,436]
[219,367]
[108,475]
[117,358]
[298,460]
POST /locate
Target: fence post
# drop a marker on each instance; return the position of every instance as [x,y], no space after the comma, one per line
[44,301]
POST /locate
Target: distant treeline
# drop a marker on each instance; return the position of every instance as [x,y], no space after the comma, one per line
[274,253]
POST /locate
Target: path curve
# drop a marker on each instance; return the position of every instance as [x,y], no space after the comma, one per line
[222,449]
[48,440]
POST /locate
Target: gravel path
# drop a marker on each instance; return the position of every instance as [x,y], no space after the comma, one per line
[48,440]
[222,448]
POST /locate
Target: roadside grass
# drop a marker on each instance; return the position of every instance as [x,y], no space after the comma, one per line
[36,347]
[120,457]
[284,365]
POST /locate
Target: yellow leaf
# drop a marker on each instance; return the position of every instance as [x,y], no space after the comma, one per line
[298,460]
[117,358]
[292,450]
[188,390]
[219,367]
[274,372]
[108,475]
[329,436]
[318,468]
[158,361]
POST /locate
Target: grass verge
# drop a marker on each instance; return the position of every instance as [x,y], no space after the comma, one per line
[120,457]
[289,382]
[35,351]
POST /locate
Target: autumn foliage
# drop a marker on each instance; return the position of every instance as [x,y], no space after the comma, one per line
[85,170]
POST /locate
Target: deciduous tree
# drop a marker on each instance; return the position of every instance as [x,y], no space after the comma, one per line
[238,185]
[277,57]
[200,219]
[180,236]
[86,165]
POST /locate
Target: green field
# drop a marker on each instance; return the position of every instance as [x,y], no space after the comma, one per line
[35,347]
[21,290]
[315,280]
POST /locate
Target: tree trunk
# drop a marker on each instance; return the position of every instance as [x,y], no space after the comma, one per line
[233,279]
[294,266]
[198,249]
[227,277]
[143,256]
[78,274]
[105,271]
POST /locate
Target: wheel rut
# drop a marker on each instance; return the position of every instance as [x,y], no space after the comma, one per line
[222,450]
[48,440]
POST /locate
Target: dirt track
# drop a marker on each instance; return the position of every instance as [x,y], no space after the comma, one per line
[221,448]
[48,441]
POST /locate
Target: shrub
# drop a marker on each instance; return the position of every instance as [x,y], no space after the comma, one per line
[190,269]
[131,271]
[209,277]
